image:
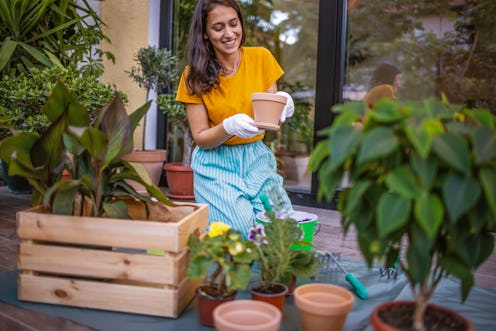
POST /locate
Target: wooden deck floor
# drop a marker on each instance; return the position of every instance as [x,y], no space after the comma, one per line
[329,238]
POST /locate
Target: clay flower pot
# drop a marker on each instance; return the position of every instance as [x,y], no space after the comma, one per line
[276,296]
[247,315]
[207,305]
[323,306]
[267,109]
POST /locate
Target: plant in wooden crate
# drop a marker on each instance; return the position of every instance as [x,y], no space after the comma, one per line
[421,179]
[278,259]
[223,260]
[85,218]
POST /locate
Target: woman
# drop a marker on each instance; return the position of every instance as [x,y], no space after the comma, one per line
[385,83]
[231,164]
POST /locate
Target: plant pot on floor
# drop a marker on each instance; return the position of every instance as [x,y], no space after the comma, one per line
[152,160]
[247,315]
[207,304]
[398,315]
[179,181]
[275,294]
[323,306]
[15,184]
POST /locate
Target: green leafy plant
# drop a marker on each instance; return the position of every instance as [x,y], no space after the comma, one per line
[228,253]
[422,179]
[24,95]
[156,69]
[91,151]
[279,261]
[48,33]
[176,113]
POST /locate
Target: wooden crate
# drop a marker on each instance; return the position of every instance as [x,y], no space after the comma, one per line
[102,263]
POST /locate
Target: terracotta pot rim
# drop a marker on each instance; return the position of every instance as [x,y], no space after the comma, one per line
[268,96]
[320,308]
[376,321]
[272,314]
[262,294]
[176,166]
[152,155]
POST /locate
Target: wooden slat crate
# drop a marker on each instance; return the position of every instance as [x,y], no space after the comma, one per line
[103,263]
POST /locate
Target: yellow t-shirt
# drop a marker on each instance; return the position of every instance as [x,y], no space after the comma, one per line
[258,70]
[377,93]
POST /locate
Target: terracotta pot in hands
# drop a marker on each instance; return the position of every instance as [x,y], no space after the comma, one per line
[267,109]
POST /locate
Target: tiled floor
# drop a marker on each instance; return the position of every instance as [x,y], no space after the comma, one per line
[329,238]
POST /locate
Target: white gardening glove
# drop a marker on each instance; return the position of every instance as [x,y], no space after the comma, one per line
[240,125]
[289,108]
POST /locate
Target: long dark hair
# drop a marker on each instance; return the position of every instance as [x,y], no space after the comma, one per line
[204,67]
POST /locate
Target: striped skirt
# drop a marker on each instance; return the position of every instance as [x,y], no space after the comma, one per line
[230,179]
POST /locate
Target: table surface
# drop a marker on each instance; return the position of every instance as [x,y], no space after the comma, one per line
[480,306]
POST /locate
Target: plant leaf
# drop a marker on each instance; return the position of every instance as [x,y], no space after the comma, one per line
[460,193]
[402,181]
[487,177]
[343,143]
[429,212]
[392,213]
[378,143]
[453,149]
[484,140]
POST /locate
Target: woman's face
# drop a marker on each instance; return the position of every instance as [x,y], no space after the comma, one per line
[397,81]
[224,30]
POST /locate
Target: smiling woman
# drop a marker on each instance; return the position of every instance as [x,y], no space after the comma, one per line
[231,164]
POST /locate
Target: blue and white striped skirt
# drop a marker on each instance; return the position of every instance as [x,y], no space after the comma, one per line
[230,178]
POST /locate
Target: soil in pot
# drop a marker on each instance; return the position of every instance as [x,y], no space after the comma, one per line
[399,316]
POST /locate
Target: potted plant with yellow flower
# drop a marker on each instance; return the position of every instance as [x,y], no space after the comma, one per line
[223,259]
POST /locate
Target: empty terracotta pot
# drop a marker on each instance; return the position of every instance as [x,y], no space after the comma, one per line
[267,109]
[247,315]
[323,306]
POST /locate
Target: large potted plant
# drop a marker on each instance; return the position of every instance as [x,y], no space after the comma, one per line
[156,70]
[421,185]
[222,259]
[93,216]
[179,174]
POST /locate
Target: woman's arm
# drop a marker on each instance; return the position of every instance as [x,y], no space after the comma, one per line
[203,135]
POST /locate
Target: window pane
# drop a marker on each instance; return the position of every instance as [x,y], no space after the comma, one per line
[444,46]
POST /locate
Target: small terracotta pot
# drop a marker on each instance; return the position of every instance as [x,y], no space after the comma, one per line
[275,298]
[247,315]
[152,160]
[180,181]
[323,306]
[380,325]
[267,109]
[206,306]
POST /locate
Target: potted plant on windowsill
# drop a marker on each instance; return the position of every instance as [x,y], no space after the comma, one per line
[179,174]
[222,258]
[421,180]
[156,71]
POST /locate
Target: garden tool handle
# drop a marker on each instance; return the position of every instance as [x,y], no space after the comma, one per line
[360,290]
[266,203]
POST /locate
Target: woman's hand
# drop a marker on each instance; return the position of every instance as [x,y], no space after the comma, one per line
[240,125]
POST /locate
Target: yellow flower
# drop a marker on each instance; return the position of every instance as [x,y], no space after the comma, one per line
[217,229]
